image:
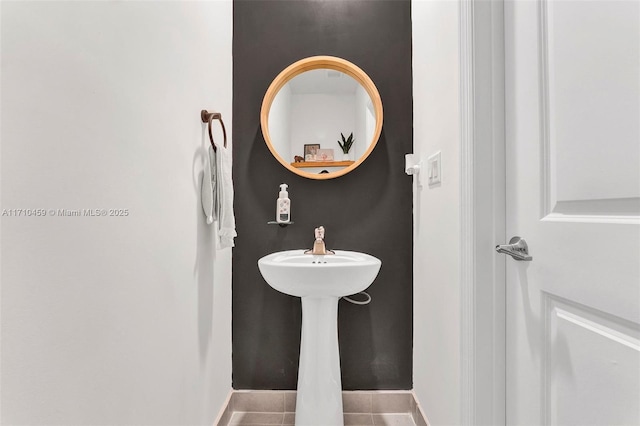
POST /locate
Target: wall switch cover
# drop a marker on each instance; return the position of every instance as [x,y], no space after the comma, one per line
[434,169]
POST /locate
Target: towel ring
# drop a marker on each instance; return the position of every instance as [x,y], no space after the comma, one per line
[208,117]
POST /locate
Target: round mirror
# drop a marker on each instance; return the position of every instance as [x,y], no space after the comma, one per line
[321,117]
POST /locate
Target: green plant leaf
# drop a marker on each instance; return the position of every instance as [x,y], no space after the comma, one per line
[346,143]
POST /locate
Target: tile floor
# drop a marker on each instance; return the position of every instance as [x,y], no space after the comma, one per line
[350,419]
[361,408]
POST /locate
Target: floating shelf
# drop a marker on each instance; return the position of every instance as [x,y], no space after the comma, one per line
[282,224]
[304,164]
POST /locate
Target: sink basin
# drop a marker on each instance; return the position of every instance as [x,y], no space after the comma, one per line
[320,281]
[297,274]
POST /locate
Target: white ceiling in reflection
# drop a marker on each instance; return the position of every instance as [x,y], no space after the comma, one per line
[323,81]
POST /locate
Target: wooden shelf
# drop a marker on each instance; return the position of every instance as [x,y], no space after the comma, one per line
[304,164]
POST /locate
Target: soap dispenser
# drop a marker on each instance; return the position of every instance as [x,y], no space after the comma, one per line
[283,207]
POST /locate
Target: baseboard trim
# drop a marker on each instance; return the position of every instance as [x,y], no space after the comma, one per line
[225,411]
[419,418]
[354,402]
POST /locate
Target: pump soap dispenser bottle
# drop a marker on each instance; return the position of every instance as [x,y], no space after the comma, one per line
[283,207]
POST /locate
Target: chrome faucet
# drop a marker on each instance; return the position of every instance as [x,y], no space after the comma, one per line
[318,245]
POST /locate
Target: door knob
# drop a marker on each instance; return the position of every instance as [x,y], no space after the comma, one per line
[517,248]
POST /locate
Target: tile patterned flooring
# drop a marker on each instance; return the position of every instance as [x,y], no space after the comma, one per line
[361,408]
[350,419]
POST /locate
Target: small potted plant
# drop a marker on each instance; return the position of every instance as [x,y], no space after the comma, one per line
[345,145]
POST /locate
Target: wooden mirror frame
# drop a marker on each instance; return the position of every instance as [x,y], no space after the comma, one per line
[312,63]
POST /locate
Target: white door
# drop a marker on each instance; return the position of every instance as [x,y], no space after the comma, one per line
[573,193]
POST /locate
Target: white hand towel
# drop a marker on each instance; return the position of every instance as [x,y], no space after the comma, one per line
[209,187]
[224,193]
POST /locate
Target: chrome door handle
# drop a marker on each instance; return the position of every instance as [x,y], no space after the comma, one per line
[517,248]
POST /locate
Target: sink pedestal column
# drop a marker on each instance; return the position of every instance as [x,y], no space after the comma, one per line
[319,397]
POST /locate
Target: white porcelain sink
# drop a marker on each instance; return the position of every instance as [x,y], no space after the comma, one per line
[297,274]
[320,280]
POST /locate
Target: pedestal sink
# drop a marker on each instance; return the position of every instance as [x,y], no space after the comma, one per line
[320,281]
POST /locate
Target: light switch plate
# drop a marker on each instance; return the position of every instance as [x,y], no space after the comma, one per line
[434,169]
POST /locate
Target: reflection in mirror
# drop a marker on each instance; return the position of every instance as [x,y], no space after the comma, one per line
[321,117]
[319,108]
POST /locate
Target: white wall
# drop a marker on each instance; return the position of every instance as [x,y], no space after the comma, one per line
[320,118]
[365,124]
[280,123]
[436,212]
[112,320]
[370,124]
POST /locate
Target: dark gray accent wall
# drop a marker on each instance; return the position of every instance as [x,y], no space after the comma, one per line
[368,210]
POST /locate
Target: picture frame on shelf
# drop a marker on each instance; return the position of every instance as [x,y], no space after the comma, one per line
[311,151]
[324,155]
